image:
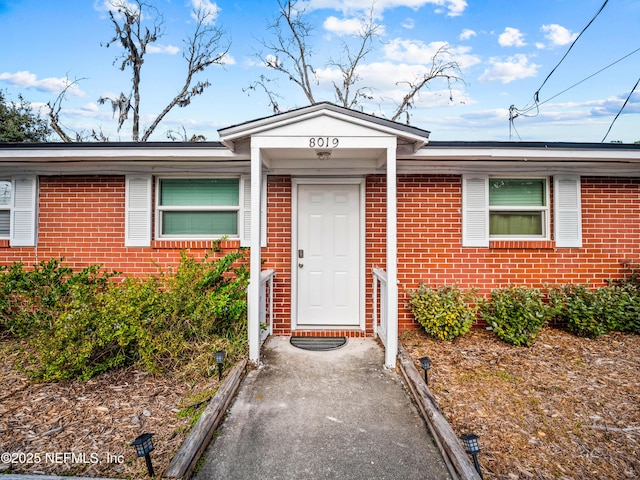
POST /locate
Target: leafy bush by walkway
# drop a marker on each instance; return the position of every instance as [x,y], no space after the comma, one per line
[444,312]
[516,314]
[86,325]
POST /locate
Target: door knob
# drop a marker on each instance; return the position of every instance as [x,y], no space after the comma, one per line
[300,265]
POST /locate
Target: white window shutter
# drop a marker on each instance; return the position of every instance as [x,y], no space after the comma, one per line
[137,230]
[263,213]
[23,223]
[245,211]
[568,211]
[475,211]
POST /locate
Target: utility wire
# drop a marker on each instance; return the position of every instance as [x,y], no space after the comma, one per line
[526,110]
[535,95]
[622,108]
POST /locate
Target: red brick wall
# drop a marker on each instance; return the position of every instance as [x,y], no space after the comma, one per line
[82,219]
[430,240]
[277,255]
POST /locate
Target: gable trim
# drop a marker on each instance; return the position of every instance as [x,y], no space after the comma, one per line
[229,135]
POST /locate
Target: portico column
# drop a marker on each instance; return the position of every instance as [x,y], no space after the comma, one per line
[253,294]
[391,350]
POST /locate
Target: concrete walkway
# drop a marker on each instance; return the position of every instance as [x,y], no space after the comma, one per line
[311,415]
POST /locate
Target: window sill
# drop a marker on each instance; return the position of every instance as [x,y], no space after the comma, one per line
[522,244]
[196,244]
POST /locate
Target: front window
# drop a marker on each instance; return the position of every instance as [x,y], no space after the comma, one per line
[198,207]
[5,207]
[518,207]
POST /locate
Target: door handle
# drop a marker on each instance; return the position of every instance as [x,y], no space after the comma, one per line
[300,265]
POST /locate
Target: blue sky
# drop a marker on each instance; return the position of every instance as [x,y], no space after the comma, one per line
[506,49]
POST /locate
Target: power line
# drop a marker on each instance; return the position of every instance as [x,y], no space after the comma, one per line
[535,95]
[622,108]
[526,110]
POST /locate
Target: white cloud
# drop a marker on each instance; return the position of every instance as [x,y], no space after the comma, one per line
[467,34]
[168,49]
[514,68]
[557,34]
[208,8]
[346,26]
[511,37]
[611,106]
[452,7]
[27,79]
[90,107]
[409,24]
[114,6]
[388,82]
[228,60]
[418,52]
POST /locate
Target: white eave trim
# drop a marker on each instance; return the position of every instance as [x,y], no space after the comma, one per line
[228,136]
[525,154]
[117,153]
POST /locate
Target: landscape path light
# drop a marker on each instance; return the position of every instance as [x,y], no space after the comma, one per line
[425,363]
[473,448]
[144,446]
[220,360]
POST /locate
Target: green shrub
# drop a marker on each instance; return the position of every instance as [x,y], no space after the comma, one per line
[164,322]
[516,314]
[618,307]
[581,309]
[445,312]
[30,299]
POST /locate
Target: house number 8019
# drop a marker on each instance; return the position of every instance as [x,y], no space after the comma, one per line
[324,142]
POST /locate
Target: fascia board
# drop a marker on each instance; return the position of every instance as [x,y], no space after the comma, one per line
[260,126]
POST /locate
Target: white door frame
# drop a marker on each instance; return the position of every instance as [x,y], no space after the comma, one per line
[295,181]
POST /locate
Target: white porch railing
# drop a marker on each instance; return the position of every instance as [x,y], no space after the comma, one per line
[266,304]
[380,304]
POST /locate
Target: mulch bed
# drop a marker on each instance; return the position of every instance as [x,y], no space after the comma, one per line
[85,428]
[565,408]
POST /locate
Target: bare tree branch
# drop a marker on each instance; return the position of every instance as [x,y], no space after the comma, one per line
[177,136]
[441,68]
[262,84]
[134,38]
[348,68]
[54,113]
[290,53]
[202,50]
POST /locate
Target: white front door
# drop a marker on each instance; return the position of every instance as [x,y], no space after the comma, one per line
[328,255]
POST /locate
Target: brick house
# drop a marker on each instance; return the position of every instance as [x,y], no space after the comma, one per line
[350,212]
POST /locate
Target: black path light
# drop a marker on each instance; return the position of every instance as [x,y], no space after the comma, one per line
[425,363]
[144,446]
[471,446]
[220,360]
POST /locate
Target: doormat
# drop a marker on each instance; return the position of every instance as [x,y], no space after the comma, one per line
[318,344]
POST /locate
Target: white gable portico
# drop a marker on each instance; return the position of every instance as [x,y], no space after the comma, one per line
[327,151]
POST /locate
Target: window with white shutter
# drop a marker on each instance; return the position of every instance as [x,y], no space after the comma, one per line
[138,211]
[568,211]
[498,208]
[23,215]
[475,211]
[5,208]
[245,229]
